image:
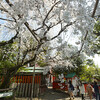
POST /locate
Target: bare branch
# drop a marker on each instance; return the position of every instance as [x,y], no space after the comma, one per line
[95,7]
[2,9]
[10,4]
[32,32]
[62,29]
[48,27]
[38,28]
[7,19]
[56,23]
[50,11]
[5,10]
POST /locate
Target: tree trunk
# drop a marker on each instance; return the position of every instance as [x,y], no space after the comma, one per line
[6,82]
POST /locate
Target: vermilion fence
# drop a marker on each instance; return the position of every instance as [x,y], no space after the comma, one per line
[24,84]
[61,86]
[27,79]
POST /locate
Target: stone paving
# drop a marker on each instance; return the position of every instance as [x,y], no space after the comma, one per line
[52,94]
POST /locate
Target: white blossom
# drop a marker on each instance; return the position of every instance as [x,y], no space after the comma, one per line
[37,15]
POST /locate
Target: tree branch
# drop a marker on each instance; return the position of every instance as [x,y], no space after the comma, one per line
[10,41]
[26,52]
[62,29]
[10,4]
[3,10]
[94,11]
[50,11]
[7,19]
[95,7]
[96,33]
[38,28]
[47,17]
[15,68]
[83,42]
[26,23]
[32,32]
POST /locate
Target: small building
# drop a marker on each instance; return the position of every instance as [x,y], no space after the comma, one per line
[23,80]
[73,77]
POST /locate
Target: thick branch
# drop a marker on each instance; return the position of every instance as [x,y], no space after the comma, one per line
[32,32]
[95,7]
[9,3]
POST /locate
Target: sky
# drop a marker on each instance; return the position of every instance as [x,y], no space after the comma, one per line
[97,60]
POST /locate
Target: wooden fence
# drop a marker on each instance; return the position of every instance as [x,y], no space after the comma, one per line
[23,83]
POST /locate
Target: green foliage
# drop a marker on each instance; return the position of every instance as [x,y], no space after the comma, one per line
[80,66]
[86,69]
[95,44]
[89,62]
[89,72]
[97,27]
[7,57]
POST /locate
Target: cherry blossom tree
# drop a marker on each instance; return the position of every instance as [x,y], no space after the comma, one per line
[32,24]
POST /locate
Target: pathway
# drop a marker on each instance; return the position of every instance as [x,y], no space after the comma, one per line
[52,94]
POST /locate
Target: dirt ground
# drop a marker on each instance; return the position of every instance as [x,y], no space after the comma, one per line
[51,94]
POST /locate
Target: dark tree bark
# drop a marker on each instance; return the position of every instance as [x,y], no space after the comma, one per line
[6,82]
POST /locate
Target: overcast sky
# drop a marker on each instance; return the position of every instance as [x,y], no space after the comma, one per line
[97,60]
